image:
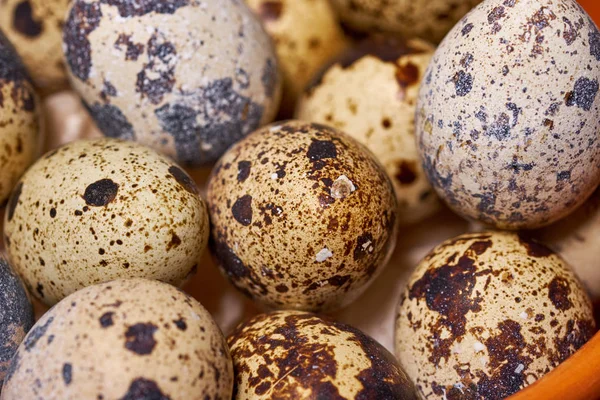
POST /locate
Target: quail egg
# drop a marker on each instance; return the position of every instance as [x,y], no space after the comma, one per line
[187,78]
[306,35]
[19,123]
[427,19]
[297,355]
[35,28]
[370,92]
[16,315]
[508,118]
[98,210]
[302,216]
[487,314]
[127,339]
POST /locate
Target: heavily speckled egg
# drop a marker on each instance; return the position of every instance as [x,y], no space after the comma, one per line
[16,315]
[370,92]
[19,124]
[306,35]
[302,216]
[187,78]
[486,314]
[427,19]
[297,355]
[509,131]
[577,239]
[103,209]
[35,28]
[127,339]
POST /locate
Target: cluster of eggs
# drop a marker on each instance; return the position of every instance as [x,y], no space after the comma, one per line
[500,122]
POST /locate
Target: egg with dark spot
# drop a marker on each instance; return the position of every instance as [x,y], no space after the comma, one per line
[72,353]
[306,35]
[508,132]
[19,119]
[104,209]
[302,216]
[293,354]
[35,28]
[184,77]
[380,114]
[16,316]
[427,19]
[485,315]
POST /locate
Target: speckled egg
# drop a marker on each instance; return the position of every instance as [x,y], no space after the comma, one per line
[187,78]
[306,35]
[509,130]
[16,315]
[35,27]
[126,339]
[103,209]
[297,355]
[485,315]
[19,124]
[302,216]
[427,19]
[370,92]
[577,239]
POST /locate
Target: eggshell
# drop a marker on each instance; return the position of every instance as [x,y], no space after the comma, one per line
[370,92]
[16,315]
[186,78]
[426,19]
[302,216]
[508,115]
[98,210]
[35,28]
[306,35]
[126,339]
[19,124]
[293,355]
[487,314]
[577,239]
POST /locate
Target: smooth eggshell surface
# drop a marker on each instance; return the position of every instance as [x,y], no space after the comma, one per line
[103,209]
[306,35]
[426,19]
[187,78]
[508,116]
[126,339]
[296,355]
[486,314]
[35,28]
[370,92]
[16,315]
[302,216]
[19,123]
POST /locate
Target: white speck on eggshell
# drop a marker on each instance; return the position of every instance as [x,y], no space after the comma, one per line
[324,254]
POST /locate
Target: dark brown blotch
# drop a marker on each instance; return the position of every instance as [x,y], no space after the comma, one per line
[242,210]
[106,320]
[183,179]
[406,172]
[139,338]
[144,389]
[558,292]
[244,168]
[321,149]
[23,21]
[14,200]
[534,249]
[101,193]
[270,10]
